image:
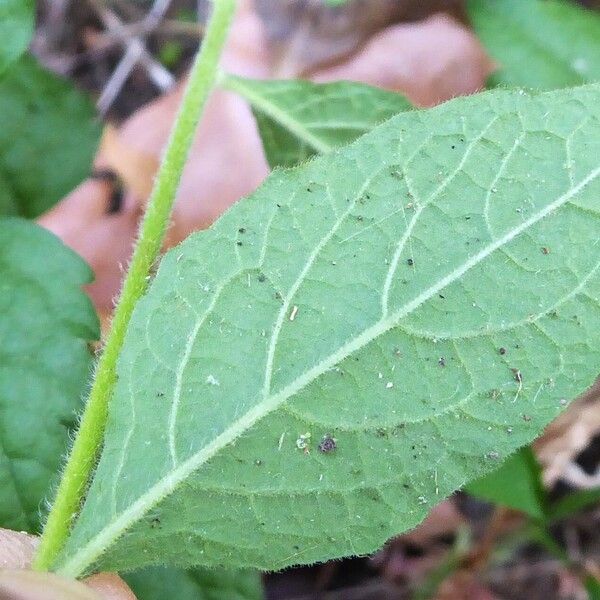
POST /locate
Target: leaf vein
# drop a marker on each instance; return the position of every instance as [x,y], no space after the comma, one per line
[283,311]
[422,205]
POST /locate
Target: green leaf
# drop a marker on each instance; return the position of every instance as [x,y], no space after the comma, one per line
[48,136]
[427,297]
[574,502]
[516,484]
[9,205]
[157,583]
[542,44]
[298,119]
[45,323]
[16,29]
[592,586]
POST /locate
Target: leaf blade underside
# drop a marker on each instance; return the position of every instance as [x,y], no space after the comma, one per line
[427,297]
[298,119]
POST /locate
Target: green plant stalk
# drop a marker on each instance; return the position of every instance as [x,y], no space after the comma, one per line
[89,437]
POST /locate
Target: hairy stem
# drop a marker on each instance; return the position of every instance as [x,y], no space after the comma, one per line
[83,454]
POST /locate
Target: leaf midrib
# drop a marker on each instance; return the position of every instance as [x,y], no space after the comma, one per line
[101,541]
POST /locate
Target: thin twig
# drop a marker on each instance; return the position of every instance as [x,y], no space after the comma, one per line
[141,28]
[106,40]
[136,52]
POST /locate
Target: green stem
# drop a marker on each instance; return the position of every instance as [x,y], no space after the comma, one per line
[89,438]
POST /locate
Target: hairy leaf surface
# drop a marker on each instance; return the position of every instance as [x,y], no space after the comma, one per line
[542,44]
[45,323]
[298,119]
[16,28]
[356,340]
[48,137]
[158,583]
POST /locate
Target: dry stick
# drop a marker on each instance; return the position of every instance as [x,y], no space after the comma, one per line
[141,28]
[135,52]
[89,438]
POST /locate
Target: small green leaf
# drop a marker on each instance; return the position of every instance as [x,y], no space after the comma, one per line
[158,583]
[48,136]
[592,586]
[516,484]
[298,119]
[359,338]
[542,44]
[16,28]
[46,321]
[574,502]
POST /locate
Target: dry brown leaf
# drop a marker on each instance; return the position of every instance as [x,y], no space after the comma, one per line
[463,585]
[30,585]
[444,519]
[109,586]
[135,167]
[16,549]
[430,61]
[248,52]
[17,583]
[566,437]
[396,564]
[83,222]
[307,34]
[226,159]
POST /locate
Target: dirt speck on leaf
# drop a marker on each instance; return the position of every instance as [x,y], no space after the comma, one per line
[327,444]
